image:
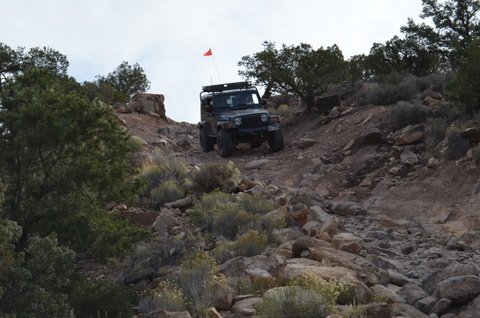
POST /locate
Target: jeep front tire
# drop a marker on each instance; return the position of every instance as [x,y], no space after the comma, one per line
[225,143]
[206,142]
[275,140]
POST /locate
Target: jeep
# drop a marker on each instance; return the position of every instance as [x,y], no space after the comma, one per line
[234,113]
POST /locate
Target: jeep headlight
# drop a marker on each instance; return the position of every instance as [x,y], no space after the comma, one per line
[237,121]
[264,117]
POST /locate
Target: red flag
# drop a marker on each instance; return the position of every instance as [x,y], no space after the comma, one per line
[208,53]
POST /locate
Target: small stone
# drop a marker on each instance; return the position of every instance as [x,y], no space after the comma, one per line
[441,306]
[408,248]
[256,164]
[433,162]
[395,171]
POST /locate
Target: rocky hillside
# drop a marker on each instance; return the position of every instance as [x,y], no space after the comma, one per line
[362,204]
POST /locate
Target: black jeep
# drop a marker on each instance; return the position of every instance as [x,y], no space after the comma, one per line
[233,113]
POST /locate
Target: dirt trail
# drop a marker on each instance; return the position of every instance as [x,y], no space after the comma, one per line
[445,198]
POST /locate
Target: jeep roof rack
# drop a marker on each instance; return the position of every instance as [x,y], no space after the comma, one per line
[226,87]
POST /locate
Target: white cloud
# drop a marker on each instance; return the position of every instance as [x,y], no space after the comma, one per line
[168,37]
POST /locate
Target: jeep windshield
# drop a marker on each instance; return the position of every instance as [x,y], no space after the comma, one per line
[237,100]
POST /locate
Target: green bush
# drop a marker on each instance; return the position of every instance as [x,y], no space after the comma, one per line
[138,143]
[293,302]
[101,299]
[255,204]
[203,213]
[215,176]
[229,220]
[388,94]
[403,114]
[334,292]
[198,279]
[250,244]
[306,296]
[434,81]
[435,130]
[355,311]
[166,191]
[164,180]
[163,170]
[401,89]
[160,251]
[217,213]
[163,296]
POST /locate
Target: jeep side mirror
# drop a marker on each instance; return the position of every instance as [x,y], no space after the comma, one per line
[264,102]
[208,103]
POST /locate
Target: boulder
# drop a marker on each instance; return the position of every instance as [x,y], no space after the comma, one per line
[425,304]
[406,311]
[472,310]
[441,306]
[397,278]
[307,197]
[409,158]
[253,266]
[164,223]
[180,204]
[246,307]
[460,289]
[412,292]
[367,271]
[305,243]
[369,137]
[287,234]
[409,135]
[347,242]
[223,297]
[382,292]
[299,212]
[431,281]
[145,103]
[378,310]
[327,223]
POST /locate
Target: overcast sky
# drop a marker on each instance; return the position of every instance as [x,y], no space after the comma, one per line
[168,37]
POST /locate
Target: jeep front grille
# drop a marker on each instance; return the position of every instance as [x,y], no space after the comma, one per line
[251,121]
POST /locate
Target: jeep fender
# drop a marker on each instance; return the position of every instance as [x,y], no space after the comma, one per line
[205,125]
